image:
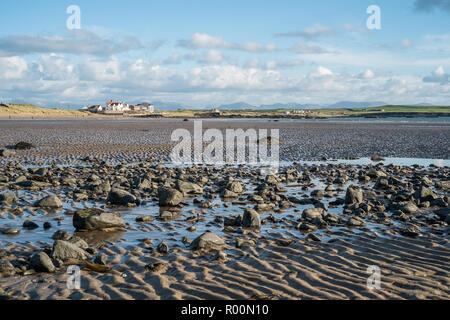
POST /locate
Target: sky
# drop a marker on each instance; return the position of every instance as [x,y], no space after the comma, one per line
[206,53]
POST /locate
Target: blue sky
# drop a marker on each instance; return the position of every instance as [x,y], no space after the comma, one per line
[205,53]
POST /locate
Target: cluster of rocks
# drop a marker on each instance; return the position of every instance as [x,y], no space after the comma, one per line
[405,199]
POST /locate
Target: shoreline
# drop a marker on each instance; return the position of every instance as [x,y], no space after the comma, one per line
[311,231]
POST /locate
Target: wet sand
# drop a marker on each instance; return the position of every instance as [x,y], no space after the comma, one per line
[397,219]
[140,139]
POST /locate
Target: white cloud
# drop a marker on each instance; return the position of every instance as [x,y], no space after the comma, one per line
[95,69]
[321,71]
[75,42]
[368,74]
[12,67]
[206,41]
[315,31]
[438,76]
[305,48]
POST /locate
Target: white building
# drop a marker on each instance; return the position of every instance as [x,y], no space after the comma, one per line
[116,106]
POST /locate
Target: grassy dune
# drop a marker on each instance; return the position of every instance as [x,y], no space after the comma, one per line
[29,111]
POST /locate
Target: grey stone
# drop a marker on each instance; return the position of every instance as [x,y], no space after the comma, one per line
[207,240]
[41,262]
[6,268]
[61,235]
[313,213]
[30,225]
[8,197]
[50,201]
[353,195]
[96,219]
[64,250]
[251,219]
[169,197]
[121,197]
[409,208]
[188,187]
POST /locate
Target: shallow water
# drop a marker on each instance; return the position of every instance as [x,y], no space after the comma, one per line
[175,230]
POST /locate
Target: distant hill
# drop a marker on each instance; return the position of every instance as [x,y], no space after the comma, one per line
[237,106]
[160,105]
[354,104]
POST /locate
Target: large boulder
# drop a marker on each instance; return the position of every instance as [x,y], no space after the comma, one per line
[188,187]
[121,197]
[64,250]
[169,197]
[251,219]
[207,240]
[313,213]
[50,201]
[354,194]
[96,219]
[41,262]
[8,197]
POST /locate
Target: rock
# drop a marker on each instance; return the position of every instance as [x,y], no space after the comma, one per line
[163,248]
[41,262]
[6,268]
[207,240]
[144,219]
[61,235]
[10,231]
[317,194]
[424,194]
[443,213]
[188,187]
[8,198]
[236,187]
[80,243]
[121,197]
[376,158]
[23,146]
[409,208]
[355,222]
[157,267]
[30,225]
[410,230]
[306,227]
[47,225]
[251,219]
[169,197]
[64,250]
[96,219]
[102,188]
[228,194]
[50,201]
[313,237]
[241,243]
[354,194]
[7,153]
[313,213]
[101,259]
[221,256]
[233,221]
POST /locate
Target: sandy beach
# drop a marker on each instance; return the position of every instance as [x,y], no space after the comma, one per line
[101,194]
